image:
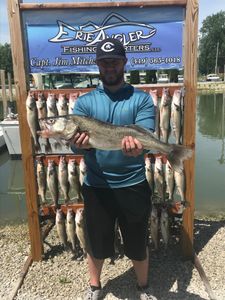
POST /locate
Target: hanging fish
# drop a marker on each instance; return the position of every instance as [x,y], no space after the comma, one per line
[63,178]
[72,99]
[176,115]
[149,173]
[165,112]
[83,170]
[62,106]
[42,113]
[154,96]
[180,184]
[61,227]
[51,105]
[73,177]
[70,228]
[164,226]
[169,180]
[81,231]
[32,119]
[52,111]
[41,106]
[159,178]
[154,227]
[52,182]
[41,180]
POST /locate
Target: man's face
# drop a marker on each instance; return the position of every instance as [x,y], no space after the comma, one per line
[111,70]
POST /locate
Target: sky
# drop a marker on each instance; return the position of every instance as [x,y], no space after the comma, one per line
[206,8]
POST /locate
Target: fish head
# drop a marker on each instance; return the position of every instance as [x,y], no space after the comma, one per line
[40,165]
[51,165]
[154,96]
[176,101]
[59,216]
[62,99]
[158,163]
[61,127]
[62,163]
[73,97]
[79,217]
[70,215]
[168,167]
[51,100]
[148,162]
[72,164]
[30,101]
[82,165]
[166,99]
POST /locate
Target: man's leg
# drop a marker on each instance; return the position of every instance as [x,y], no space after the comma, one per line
[95,269]
[141,269]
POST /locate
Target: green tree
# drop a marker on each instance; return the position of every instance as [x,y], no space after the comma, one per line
[150,76]
[134,77]
[211,33]
[6,58]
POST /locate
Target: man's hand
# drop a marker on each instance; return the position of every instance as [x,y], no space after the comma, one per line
[81,141]
[131,146]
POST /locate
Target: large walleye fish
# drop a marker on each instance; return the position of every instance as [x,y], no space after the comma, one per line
[106,136]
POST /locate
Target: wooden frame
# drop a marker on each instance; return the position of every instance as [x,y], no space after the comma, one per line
[15,7]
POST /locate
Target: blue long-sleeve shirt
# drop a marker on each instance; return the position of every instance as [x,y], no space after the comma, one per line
[126,106]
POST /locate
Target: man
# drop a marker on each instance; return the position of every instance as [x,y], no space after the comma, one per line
[115,187]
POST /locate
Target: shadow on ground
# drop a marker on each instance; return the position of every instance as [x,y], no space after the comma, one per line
[170,275]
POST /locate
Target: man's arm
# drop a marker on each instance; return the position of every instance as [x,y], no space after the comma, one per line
[145,118]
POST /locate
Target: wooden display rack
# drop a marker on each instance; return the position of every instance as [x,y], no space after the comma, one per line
[15,9]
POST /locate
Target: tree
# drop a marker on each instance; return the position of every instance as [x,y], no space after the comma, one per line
[211,33]
[6,58]
[150,76]
[134,77]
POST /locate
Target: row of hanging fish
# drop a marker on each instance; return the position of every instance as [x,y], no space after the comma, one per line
[164,181]
[169,114]
[66,177]
[159,223]
[50,107]
[71,228]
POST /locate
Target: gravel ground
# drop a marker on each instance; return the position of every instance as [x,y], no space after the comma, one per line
[60,276]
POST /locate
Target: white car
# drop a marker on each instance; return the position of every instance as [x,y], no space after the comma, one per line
[212,77]
[180,78]
[163,78]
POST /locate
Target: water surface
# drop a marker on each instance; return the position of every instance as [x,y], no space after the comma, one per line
[209,165]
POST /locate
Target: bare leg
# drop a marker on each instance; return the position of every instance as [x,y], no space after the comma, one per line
[141,270]
[95,269]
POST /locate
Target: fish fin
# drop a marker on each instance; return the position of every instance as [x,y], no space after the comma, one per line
[176,157]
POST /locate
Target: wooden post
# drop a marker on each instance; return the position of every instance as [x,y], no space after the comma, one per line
[10,87]
[26,146]
[4,99]
[190,82]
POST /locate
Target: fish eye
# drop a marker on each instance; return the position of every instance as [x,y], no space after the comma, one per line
[50,121]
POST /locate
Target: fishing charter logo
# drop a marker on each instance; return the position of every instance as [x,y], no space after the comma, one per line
[134,36]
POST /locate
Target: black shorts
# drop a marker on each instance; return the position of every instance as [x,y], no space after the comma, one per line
[130,206]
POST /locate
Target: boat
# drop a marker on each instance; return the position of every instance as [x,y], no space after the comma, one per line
[2,140]
[10,129]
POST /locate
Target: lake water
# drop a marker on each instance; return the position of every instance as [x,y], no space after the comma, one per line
[209,173]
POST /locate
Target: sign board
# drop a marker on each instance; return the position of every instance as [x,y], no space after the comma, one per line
[67,42]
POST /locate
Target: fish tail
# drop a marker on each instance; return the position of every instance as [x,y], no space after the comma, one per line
[37,146]
[58,146]
[177,156]
[47,146]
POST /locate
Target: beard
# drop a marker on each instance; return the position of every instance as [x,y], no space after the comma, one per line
[112,79]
